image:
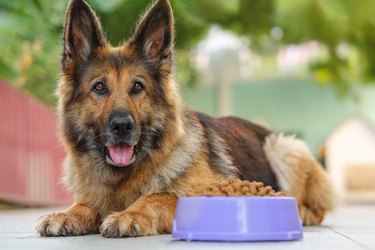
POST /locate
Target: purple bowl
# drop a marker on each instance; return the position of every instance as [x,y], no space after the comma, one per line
[237,218]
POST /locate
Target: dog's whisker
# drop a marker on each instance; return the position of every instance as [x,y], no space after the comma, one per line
[146,133]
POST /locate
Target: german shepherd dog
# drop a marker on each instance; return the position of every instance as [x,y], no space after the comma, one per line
[133,147]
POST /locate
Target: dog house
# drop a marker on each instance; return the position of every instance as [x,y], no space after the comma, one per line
[350,160]
[30,153]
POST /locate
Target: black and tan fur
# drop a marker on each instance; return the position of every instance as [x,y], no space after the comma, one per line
[175,147]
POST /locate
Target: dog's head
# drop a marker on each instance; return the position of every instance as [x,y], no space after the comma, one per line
[117,101]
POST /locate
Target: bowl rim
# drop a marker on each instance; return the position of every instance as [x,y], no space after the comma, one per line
[238,197]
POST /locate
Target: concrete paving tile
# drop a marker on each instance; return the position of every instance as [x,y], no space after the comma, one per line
[349,227]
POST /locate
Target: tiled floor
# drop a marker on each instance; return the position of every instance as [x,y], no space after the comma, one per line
[349,227]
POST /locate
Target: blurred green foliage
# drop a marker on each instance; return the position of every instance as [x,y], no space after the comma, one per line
[30,44]
[346,28]
[30,35]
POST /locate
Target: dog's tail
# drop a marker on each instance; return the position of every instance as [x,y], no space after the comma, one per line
[300,175]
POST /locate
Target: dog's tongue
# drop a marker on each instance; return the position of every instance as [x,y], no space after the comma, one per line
[121,153]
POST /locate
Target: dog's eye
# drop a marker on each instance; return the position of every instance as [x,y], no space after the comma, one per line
[138,87]
[100,88]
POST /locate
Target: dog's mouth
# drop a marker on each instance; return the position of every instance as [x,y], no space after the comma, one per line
[120,154]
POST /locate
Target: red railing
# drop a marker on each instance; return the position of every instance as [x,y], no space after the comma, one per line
[31,155]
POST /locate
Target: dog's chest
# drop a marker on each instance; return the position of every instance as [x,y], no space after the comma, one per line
[119,197]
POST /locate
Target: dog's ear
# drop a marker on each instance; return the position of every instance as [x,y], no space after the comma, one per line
[82,33]
[155,33]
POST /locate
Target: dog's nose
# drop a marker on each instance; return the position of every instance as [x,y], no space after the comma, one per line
[121,125]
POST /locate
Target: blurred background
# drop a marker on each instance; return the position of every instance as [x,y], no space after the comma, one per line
[304,67]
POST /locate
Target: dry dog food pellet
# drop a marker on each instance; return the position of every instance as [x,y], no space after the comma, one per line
[235,187]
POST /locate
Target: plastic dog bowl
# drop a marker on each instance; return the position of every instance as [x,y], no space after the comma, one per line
[237,219]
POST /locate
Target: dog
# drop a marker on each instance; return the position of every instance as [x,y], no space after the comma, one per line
[133,147]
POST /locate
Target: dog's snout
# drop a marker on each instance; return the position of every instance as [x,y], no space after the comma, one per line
[121,124]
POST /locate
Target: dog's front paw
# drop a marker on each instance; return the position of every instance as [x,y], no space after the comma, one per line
[125,224]
[58,224]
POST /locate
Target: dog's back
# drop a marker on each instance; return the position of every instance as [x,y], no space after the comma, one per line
[243,142]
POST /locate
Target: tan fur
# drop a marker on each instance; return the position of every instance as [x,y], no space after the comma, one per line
[150,215]
[78,219]
[191,180]
[300,175]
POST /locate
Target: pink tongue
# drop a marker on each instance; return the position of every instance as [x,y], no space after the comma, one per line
[121,153]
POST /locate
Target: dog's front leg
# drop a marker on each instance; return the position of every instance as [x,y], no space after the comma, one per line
[150,215]
[79,219]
